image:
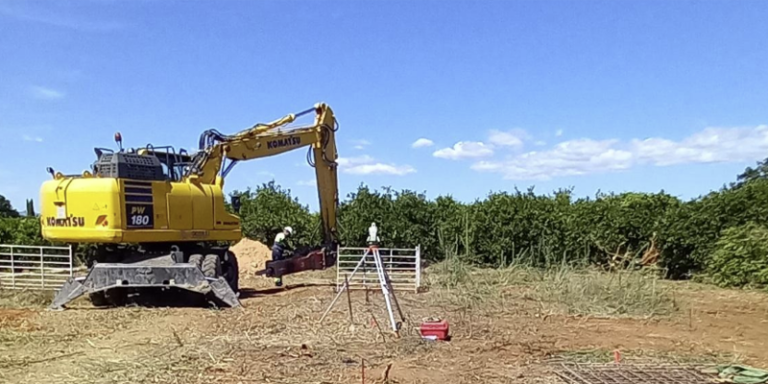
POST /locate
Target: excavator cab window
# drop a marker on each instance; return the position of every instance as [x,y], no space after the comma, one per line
[173,164]
[167,172]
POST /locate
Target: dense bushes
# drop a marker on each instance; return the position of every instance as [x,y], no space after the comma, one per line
[740,257]
[6,210]
[541,229]
[404,218]
[720,233]
[266,210]
[17,229]
[21,230]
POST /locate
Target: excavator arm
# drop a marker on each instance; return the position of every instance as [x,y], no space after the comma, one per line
[269,139]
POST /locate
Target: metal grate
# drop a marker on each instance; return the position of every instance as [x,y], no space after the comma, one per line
[632,374]
[34,267]
[129,166]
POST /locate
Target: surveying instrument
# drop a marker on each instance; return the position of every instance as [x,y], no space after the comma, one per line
[384,281]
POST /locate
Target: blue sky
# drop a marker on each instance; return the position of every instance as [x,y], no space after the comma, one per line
[595,95]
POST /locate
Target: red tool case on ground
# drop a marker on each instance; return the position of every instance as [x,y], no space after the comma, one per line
[436,330]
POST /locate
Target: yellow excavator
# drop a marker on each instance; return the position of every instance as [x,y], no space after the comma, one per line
[155,218]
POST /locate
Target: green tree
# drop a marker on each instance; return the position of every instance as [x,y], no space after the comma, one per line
[30,208]
[21,231]
[693,229]
[6,209]
[751,174]
[740,257]
[404,218]
[269,208]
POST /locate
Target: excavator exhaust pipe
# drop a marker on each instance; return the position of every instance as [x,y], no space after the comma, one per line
[106,276]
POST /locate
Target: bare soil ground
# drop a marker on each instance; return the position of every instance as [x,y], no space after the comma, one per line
[502,335]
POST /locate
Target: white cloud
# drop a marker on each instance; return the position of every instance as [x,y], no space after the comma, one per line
[707,146]
[360,143]
[422,142]
[379,168]
[474,149]
[506,139]
[307,183]
[587,156]
[44,93]
[350,161]
[367,165]
[464,150]
[32,138]
[489,166]
[576,157]
[559,133]
[540,143]
[58,15]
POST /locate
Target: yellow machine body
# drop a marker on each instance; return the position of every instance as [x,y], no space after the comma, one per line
[188,205]
[110,210]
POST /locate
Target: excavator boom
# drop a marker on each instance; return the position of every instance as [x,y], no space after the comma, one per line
[263,140]
[270,139]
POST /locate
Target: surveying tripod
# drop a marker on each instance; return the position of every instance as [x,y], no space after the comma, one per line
[384,282]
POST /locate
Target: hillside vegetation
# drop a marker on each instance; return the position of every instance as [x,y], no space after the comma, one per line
[719,236]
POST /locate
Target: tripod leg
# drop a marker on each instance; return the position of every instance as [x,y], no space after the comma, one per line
[394,297]
[392,290]
[345,286]
[384,287]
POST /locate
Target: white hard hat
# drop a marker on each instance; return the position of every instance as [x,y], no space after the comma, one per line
[289,230]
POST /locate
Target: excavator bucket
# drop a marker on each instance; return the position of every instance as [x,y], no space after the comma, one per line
[313,261]
[107,276]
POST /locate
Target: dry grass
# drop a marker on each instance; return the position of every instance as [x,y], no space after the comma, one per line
[560,289]
[25,298]
[504,323]
[588,292]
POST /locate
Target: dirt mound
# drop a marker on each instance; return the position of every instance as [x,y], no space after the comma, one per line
[251,255]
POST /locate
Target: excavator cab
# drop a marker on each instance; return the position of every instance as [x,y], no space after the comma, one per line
[174,166]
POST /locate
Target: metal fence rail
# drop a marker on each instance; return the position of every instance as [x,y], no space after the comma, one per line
[403,265]
[34,267]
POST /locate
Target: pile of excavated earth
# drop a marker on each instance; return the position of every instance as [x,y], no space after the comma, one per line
[252,256]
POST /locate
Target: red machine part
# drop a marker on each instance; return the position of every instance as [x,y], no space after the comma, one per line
[434,329]
[312,261]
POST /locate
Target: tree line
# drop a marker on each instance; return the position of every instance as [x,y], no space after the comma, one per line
[720,235]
